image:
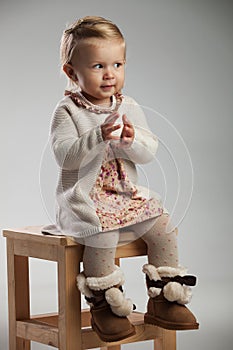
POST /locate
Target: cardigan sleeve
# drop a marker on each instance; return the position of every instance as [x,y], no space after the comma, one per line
[71,149]
[143,148]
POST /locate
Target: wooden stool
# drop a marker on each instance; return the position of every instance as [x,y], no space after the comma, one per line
[69,329]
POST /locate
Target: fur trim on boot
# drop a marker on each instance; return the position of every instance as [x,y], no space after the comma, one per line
[101,283]
[109,307]
[169,290]
[119,304]
[114,296]
[82,286]
[172,290]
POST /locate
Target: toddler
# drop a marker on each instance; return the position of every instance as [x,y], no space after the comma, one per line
[98,137]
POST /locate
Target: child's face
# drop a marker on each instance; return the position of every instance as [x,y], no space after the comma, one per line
[99,68]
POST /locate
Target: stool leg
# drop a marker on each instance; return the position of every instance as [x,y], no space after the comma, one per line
[168,341]
[18,295]
[69,299]
[114,347]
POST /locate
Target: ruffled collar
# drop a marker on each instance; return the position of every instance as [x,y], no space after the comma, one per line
[81,101]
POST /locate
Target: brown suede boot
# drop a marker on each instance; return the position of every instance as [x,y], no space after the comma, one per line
[168,295]
[109,307]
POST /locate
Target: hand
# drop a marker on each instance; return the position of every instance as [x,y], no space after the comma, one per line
[128,133]
[108,127]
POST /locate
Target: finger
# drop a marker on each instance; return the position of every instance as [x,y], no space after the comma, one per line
[111,137]
[125,120]
[111,128]
[111,119]
[128,131]
[108,130]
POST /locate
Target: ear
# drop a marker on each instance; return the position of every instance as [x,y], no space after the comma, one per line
[69,70]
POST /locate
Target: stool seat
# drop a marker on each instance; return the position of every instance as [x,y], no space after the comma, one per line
[69,328]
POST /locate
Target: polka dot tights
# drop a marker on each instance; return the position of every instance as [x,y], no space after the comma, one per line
[99,252]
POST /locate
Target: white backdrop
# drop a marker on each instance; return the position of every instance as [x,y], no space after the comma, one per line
[179,63]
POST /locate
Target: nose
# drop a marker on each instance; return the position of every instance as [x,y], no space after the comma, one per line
[108,73]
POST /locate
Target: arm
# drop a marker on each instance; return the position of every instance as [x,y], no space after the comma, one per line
[69,148]
[143,148]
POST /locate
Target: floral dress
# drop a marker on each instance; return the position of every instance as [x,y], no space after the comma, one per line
[116,199]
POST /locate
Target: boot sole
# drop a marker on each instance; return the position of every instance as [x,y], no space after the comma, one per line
[114,337]
[169,325]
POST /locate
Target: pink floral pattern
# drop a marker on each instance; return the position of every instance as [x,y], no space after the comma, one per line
[116,199]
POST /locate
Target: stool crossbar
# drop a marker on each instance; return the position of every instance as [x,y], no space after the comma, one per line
[69,328]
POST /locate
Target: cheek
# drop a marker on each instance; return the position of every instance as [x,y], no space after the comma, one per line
[122,76]
[121,79]
[86,82]
[92,79]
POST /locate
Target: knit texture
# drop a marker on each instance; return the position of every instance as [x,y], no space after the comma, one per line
[79,150]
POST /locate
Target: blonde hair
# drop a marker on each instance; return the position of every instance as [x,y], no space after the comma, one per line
[86,28]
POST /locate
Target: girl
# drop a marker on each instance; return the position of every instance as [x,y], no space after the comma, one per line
[98,136]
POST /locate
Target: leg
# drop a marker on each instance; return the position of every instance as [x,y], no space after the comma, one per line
[69,322]
[113,347]
[101,284]
[168,287]
[167,341]
[161,242]
[18,295]
[99,254]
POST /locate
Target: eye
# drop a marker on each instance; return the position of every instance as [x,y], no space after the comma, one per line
[117,64]
[98,66]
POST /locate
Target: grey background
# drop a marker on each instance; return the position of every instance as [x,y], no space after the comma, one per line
[179,62]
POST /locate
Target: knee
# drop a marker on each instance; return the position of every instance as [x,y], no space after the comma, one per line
[163,224]
[103,240]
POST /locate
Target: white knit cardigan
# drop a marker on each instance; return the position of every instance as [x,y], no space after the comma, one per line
[79,149]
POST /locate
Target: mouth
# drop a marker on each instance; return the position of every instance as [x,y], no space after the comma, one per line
[107,87]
